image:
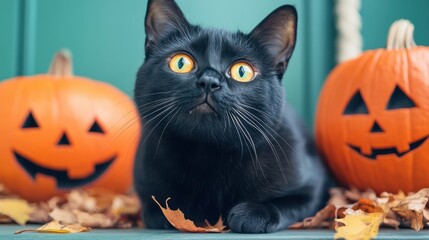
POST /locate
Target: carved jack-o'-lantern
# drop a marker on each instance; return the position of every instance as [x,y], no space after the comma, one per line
[58,132]
[372,122]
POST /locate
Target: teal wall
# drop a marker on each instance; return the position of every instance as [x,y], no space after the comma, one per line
[106,38]
[378,15]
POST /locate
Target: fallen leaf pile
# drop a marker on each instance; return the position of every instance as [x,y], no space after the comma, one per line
[353,214]
[178,220]
[96,208]
[358,215]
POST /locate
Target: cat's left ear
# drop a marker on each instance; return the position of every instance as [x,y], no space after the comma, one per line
[277,34]
[163,17]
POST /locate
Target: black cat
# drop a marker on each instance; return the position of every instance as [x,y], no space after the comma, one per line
[218,137]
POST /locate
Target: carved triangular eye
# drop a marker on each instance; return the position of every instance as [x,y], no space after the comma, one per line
[96,128]
[399,100]
[356,105]
[30,122]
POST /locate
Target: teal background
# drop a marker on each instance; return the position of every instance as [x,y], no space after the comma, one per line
[106,37]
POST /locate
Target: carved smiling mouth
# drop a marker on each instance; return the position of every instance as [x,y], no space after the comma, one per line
[63,181]
[385,151]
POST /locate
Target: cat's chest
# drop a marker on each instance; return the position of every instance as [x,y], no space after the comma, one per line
[203,168]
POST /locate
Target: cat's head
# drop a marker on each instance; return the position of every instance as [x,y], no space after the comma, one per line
[213,85]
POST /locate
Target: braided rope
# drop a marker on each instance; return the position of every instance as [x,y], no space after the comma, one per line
[349,38]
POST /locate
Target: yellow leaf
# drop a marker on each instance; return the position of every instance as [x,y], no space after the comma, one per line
[17,209]
[56,227]
[178,220]
[359,225]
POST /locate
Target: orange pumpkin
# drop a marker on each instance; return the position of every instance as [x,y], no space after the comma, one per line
[372,121]
[59,131]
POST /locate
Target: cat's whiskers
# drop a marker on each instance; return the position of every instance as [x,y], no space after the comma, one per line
[244,106]
[155,102]
[135,120]
[167,111]
[156,111]
[155,93]
[264,133]
[249,143]
[230,120]
[162,133]
[268,129]
[159,103]
[122,130]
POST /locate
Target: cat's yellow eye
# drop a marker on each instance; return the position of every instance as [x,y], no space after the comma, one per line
[242,72]
[181,63]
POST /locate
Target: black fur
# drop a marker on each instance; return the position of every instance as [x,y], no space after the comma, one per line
[249,160]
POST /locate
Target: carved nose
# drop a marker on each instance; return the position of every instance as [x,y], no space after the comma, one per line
[209,81]
[376,128]
[64,140]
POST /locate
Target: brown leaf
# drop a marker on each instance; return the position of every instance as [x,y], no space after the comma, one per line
[125,205]
[391,222]
[5,219]
[337,197]
[411,208]
[40,213]
[56,227]
[63,216]
[354,194]
[178,220]
[367,206]
[426,215]
[319,220]
[95,220]
[57,201]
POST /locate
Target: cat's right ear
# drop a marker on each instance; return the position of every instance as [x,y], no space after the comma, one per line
[163,17]
[277,34]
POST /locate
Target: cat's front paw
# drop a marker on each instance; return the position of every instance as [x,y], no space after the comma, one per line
[250,217]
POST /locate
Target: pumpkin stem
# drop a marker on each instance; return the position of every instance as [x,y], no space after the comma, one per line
[61,65]
[401,35]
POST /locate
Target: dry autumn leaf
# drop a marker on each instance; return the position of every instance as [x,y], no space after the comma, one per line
[411,208]
[17,209]
[90,207]
[178,220]
[63,216]
[321,219]
[40,213]
[358,225]
[125,205]
[96,220]
[56,227]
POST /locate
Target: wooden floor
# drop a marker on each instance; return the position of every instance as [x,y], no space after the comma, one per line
[7,232]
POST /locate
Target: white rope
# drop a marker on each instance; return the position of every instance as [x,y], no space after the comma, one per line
[349,38]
